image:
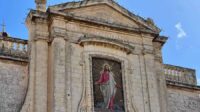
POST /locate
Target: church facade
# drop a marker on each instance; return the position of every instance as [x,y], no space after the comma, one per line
[91,56]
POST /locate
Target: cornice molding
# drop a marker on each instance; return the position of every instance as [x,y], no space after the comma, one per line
[108,42]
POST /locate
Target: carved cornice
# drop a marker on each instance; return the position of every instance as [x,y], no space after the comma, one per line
[35,14]
[175,84]
[37,22]
[160,39]
[35,18]
[21,57]
[107,42]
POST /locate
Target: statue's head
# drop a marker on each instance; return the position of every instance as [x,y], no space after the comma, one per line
[106,67]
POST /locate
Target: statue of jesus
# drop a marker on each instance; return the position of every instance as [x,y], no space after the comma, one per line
[107,86]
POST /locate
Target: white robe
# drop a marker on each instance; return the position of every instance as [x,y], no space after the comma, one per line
[108,90]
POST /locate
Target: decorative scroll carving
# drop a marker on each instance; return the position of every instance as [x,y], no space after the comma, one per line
[134,109]
[82,107]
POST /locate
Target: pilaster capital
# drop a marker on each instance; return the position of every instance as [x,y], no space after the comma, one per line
[57,27]
[137,51]
[147,50]
[39,35]
[57,21]
[37,23]
[57,32]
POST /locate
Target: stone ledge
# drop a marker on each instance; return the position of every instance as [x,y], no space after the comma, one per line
[124,46]
[14,58]
[182,85]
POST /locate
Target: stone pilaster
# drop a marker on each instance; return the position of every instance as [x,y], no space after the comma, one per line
[151,77]
[152,83]
[144,84]
[161,81]
[28,105]
[58,72]
[41,75]
[41,65]
[58,65]
[36,99]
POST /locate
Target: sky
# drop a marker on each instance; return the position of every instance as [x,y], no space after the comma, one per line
[178,19]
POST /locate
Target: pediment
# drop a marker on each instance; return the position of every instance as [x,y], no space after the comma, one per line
[103,13]
[107,11]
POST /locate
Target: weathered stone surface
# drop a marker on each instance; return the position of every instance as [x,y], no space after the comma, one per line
[183,100]
[103,13]
[13,85]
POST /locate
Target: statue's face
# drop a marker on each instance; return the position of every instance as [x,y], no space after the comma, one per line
[106,67]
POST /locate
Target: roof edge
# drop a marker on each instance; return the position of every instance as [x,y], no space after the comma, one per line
[148,23]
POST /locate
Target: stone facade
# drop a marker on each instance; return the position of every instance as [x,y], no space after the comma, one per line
[65,38]
[13,73]
[183,99]
[13,85]
[182,89]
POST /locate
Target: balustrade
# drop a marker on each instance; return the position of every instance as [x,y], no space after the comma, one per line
[13,47]
[179,74]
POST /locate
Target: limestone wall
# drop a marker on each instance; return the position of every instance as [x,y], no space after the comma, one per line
[13,85]
[183,100]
